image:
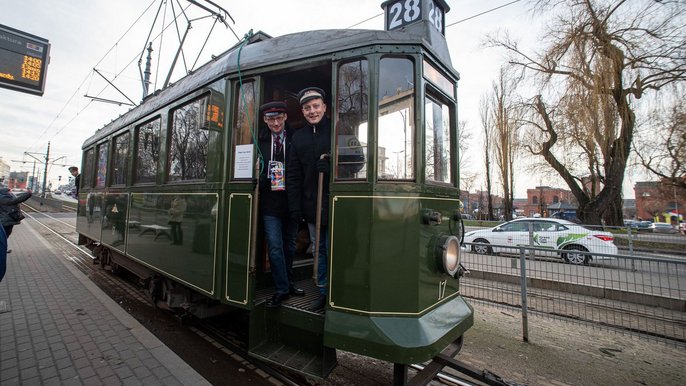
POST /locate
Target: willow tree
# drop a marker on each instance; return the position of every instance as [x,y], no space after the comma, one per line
[600,58]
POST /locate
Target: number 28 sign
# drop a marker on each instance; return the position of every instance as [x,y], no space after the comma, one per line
[400,13]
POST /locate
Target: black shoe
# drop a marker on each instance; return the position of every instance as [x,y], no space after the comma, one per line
[319,303]
[296,291]
[276,300]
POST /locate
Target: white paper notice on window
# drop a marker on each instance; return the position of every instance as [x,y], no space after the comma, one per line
[242,167]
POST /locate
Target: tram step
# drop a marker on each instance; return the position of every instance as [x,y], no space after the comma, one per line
[295,359]
[292,338]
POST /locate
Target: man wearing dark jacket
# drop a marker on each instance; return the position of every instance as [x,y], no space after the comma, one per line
[309,155]
[77,180]
[10,215]
[280,230]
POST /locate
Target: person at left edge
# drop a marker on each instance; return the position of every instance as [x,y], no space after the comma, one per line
[279,229]
[10,213]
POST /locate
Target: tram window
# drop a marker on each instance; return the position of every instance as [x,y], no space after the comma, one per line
[147,151]
[88,168]
[245,105]
[189,142]
[101,171]
[437,133]
[242,129]
[120,159]
[352,122]
[396,119]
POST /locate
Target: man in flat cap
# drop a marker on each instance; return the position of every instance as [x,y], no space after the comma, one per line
[279,229]
[309,156]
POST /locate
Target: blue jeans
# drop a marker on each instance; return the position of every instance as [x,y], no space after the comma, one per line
[280,233]
[323,262]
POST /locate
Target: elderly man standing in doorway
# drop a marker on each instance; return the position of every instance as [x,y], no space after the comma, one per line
[309,156]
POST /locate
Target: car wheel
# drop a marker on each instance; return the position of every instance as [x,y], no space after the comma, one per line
[575,255]
[481,247]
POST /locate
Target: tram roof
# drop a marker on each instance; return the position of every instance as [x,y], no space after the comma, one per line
[263,50]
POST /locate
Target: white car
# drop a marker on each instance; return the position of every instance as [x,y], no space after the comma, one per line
[580,244]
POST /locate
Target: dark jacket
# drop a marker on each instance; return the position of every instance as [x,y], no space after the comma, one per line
[308,144]
[10,214]
[273,203]
[77,185]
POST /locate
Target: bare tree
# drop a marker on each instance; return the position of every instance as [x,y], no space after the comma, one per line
[464,139]
[486,124]
[602,57]
[503,131]
[662,148]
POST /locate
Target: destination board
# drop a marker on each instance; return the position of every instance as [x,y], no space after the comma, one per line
[23,61]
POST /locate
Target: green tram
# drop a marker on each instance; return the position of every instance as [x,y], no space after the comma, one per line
[394,267]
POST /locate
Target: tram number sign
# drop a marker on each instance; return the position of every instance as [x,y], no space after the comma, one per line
[404,12]
[23,61]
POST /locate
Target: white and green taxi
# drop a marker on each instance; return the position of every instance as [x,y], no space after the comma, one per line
[572,242]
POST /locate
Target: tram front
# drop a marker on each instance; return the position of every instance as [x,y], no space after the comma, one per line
[394,206]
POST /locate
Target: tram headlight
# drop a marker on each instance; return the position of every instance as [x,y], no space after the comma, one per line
[449,254]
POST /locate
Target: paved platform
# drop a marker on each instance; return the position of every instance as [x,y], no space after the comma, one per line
[58,328]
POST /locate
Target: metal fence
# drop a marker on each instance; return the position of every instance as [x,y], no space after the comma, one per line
[636,291]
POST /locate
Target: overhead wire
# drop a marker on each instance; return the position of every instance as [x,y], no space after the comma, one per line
[183,57]
[87,76]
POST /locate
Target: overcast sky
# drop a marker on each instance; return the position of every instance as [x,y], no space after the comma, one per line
[87,34]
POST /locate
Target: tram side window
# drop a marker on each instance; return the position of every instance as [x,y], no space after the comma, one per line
[396,119]
[189,142]
[242,130]
[437,135]
[353,118]
[88,169]
[147,151]
[101,171]
[120,159]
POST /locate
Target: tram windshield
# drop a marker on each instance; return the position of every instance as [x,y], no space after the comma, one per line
[396,120]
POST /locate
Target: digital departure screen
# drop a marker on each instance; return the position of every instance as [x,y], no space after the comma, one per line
[23,61]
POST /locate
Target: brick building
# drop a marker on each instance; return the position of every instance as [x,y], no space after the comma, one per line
[659,201]
[545,200]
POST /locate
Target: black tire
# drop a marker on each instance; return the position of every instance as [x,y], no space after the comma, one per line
[481,247]
[576,255]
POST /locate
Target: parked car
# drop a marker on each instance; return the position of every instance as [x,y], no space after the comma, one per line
[662,227]
[644,225]
[580,244]
[569,216]
[631,223]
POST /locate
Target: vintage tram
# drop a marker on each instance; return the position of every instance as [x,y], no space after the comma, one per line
[394,220]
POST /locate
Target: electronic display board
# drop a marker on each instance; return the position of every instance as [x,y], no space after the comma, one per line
[23,61]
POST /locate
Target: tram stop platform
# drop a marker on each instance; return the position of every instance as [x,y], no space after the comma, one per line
[58,328]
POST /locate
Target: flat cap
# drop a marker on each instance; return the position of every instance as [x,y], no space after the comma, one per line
[307,94]
[273,108]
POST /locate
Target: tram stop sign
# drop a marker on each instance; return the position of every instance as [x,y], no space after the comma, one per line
[23,61]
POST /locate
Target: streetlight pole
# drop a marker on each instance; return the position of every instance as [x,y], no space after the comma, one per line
[45,172]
